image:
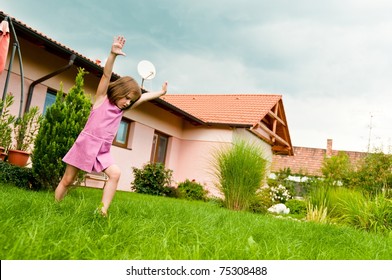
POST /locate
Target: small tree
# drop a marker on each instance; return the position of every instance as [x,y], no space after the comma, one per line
[337,168]
[375,173]
[63,122]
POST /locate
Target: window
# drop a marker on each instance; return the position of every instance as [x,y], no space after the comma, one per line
[50,98]
[159,147]
[121,138]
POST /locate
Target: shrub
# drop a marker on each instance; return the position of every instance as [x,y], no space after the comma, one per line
[279,194]
[240,171]
[295,187]
[21,177]
[257,205]
[152,179]
[374,174]
[337,168]
[297,207]
[62,123]
[262,201]
[191,190]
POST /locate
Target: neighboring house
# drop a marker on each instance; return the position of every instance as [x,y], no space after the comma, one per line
[309,161]
[181,131]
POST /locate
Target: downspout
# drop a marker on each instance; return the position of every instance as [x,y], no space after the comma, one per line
[44,78]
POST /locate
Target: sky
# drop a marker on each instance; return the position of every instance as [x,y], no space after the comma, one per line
[330,60]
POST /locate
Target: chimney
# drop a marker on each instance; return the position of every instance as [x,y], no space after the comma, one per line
[328,153]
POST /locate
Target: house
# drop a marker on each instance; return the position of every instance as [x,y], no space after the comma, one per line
[179,130]
[309,161]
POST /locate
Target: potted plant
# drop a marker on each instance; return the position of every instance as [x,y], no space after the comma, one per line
[25,130]
[6,119]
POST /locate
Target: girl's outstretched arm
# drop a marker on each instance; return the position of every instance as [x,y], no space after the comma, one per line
[116,50]
[151,95]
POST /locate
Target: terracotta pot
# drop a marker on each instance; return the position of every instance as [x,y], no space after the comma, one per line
[2,156]
[17,157]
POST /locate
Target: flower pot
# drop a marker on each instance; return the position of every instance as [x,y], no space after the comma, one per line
[17,157]
[2,156]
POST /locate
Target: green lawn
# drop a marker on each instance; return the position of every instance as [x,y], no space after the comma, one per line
[33,226]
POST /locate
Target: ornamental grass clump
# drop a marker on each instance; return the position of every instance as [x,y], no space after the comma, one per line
[240,170]
[26,129]
[6,119]
[371,214]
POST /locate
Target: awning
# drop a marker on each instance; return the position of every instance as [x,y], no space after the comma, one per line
[4,43]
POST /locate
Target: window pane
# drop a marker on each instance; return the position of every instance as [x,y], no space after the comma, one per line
[162,144]
[49,100]
[154,148]
[122,132]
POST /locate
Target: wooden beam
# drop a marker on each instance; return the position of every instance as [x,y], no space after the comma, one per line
[270,132]
[275,116]
[275,122]
[281,149]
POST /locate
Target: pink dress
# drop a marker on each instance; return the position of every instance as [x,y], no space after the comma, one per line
[91,150]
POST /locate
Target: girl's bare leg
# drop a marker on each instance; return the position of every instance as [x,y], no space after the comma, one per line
[68,178]
[109,191]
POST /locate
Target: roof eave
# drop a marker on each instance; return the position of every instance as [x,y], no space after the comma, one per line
[237,125]
[168,106]
[50,45]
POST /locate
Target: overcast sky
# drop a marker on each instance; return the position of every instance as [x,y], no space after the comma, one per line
[331,60]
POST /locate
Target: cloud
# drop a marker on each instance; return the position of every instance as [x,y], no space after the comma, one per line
[330,60]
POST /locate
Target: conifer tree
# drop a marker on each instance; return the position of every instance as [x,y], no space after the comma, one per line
[63,122]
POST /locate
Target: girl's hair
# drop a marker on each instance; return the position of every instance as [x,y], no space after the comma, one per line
[123,87]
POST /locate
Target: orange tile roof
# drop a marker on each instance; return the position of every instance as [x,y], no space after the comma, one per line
[308,161]
[237,109]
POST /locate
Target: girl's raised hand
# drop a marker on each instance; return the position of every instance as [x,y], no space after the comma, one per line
[118,44]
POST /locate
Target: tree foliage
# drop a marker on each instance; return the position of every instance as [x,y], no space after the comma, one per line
[373,174]
[63,122]
[337,168]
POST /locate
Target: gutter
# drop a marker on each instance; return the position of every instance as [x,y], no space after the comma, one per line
[44,78]
[177,110]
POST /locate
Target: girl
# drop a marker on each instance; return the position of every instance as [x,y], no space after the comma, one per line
[91,150]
